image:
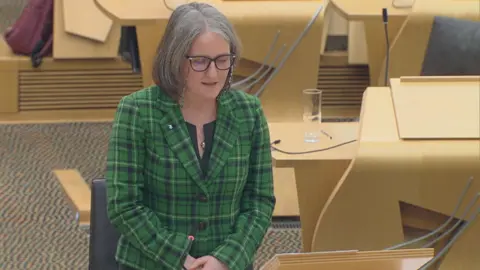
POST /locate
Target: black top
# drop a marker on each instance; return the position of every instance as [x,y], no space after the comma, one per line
[208,130]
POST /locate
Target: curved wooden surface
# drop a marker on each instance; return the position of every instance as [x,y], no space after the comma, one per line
[353,10]
[97,27]
[317,173]
[77,192]
[409,46]
[129,12]
[411,259]
[420,118]
[363,212]
[369,13]
[75,46]
[257,23]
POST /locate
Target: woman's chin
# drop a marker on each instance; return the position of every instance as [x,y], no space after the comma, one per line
[210,92]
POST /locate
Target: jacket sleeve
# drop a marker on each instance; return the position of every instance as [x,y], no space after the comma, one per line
[258,202]
[125,186]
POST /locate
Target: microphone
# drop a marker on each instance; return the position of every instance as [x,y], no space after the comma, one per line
[387,55]
[385,15]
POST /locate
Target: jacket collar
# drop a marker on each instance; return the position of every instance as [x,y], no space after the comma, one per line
[178,139]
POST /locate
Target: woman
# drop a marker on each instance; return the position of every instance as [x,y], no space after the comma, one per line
[189,170]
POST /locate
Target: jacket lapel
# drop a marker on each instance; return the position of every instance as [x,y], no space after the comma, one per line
[225,137]
[176,134]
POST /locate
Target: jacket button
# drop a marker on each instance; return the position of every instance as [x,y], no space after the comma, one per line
[202,198]
[202,226]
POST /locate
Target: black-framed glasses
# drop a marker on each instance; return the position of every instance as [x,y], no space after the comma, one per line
[202,63]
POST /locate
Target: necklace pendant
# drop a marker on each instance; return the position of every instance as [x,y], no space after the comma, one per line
[202,144]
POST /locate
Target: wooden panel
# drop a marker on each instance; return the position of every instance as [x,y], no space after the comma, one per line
[75,89]
[77,191]
[96,26]
[285,192]
[148,38]
[405,259]
[353,11]
[8,89]
[23,84]
[343,86]
[403,3]
[409,44]
[68,46]
[9,80]
[337,25]
[411,95]
[357,44]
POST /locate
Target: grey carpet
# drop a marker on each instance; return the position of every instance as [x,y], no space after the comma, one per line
[9,11]
[37,226]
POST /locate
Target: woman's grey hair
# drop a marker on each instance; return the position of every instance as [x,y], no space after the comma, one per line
[185,24]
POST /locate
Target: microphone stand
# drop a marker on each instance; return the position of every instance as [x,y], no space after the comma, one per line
[387,55]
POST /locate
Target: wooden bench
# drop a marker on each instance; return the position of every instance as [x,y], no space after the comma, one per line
[84,74]
[78,193]
[62,84]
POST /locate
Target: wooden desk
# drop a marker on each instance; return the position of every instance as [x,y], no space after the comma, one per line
[372,9]
[257,23]
[365,210]
[129,12]
[410,45]
[83,44]
[369,13]
[97,27]
[284,188]
[316,174]
[407,259]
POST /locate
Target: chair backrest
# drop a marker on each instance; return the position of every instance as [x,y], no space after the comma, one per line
[408,49]
[103,236]
[453,48]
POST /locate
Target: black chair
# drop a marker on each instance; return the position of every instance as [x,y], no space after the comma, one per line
[128,48]
[103,236]
[453,48]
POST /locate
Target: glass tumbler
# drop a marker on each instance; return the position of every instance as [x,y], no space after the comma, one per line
[312,114]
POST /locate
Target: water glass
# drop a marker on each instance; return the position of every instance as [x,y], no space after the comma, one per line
[312,114]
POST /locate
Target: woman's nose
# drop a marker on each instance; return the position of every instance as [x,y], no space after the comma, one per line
[212,70]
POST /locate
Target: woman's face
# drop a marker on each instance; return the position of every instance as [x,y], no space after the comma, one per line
[207,66]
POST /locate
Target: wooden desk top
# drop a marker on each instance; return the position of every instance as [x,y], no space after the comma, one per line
[361,10]
[291,136]
[437,107]
[407,259]
[129,12]
[97,27]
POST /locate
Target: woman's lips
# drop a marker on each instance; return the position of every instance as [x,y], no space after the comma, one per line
[209,83]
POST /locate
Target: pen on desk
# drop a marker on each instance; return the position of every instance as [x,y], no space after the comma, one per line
[326,134]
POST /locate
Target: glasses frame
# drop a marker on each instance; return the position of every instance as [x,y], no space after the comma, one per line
[190,58]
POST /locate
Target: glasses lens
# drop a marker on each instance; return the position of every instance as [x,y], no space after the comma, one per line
[199,63]
[223,62]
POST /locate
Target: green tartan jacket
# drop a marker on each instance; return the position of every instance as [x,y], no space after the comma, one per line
[158,194]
